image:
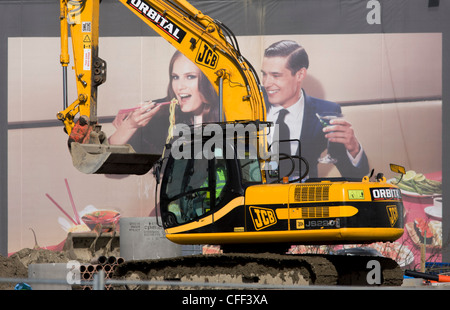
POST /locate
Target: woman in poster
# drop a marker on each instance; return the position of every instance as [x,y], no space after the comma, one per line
[145,127]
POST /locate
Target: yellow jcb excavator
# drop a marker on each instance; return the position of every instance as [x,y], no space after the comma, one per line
[256,211]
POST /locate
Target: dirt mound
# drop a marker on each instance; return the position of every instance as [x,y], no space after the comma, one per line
[16,266]
[11,267]
[39,256]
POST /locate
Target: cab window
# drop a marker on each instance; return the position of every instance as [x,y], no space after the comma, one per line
[195,187]
[250,171]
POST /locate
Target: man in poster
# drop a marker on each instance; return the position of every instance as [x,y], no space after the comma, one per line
[284,69]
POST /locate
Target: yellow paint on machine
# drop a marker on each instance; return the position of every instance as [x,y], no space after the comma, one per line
[267,194]
[353,235]
[325,191]
[270,194]
[313,195]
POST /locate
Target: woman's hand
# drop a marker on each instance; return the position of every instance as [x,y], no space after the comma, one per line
[127,123]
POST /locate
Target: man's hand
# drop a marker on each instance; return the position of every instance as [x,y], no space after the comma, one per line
[341,131]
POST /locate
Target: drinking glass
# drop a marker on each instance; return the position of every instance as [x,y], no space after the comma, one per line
[325,118]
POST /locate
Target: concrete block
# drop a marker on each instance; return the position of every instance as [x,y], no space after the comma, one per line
[142,238]
[52,271]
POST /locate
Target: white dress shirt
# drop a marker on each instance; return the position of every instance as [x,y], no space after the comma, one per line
[294,120]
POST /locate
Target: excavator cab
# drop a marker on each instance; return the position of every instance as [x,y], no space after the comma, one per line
[189,196]
[206,177]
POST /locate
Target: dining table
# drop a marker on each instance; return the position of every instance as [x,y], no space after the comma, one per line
[425,209]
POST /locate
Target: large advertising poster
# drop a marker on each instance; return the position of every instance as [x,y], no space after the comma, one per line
[388,86]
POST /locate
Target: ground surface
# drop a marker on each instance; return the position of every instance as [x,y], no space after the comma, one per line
[16,265]
[260,268]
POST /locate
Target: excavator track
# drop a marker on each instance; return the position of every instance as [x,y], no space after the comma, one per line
[264,268]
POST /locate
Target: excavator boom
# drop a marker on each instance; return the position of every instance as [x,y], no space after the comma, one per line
[194,34]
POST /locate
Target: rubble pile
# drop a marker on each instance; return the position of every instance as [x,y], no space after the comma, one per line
[16,265]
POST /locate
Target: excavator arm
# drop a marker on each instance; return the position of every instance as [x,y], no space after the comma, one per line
[200,38]
[81,17]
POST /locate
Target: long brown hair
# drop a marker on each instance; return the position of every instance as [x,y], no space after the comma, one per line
[211,104]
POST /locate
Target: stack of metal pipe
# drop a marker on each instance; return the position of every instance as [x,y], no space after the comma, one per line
[107,264]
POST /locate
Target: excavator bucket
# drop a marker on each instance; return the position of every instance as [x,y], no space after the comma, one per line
[111,159]
[84,246]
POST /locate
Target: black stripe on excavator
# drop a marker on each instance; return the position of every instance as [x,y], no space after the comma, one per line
[378,215]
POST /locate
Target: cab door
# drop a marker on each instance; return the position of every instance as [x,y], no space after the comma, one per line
[185,190]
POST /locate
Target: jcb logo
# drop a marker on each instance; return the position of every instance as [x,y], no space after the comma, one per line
[206,56]
[392,212]
[262,217]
